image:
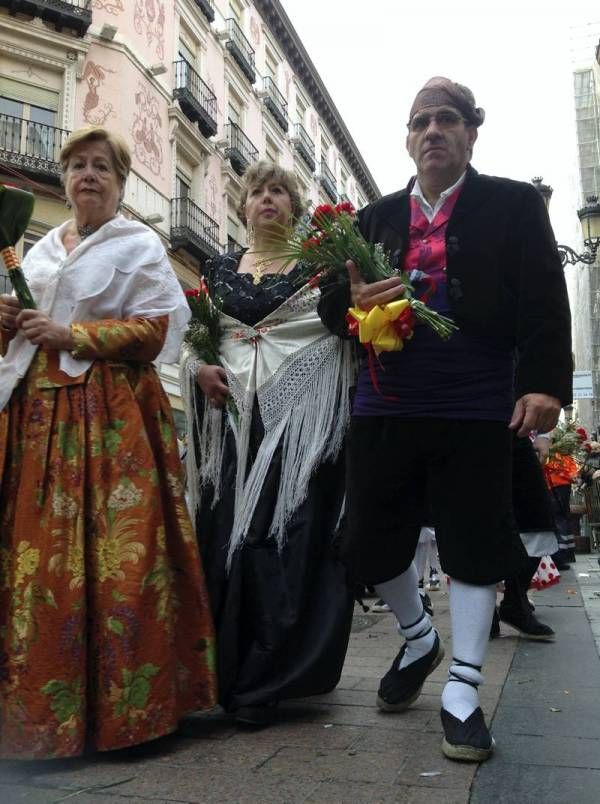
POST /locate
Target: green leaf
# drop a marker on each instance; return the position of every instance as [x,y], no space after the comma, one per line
[116,595]
[116,626]
[138,694]
[16,209]
[146,671]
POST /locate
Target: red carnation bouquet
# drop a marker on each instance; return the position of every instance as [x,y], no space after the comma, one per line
[569,439]
[204,330]
[325,243]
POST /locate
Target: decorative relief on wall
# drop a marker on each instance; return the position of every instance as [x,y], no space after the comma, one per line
[255,31]
[31,74]
[110,6]
[214,208]
[313,125]
[96,111]
[146,131]
[287,77]
[149,19]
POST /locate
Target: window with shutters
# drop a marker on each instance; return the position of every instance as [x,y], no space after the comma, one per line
[28,117]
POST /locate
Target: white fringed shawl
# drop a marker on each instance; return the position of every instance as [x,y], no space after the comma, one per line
[301,375]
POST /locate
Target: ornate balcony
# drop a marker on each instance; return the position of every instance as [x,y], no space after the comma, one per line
[193,230]
[196,98]
[275,102]
[207,7]
[73,14]
[327,181]
[240,151]
[33,148]
[304,146]
[241,50]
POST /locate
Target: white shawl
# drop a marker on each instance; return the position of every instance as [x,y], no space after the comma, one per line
[300,375]
[121,271]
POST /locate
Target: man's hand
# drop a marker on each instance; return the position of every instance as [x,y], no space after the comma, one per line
[541,445]
[43,331]
[213,382]
[535,412]
[367,296]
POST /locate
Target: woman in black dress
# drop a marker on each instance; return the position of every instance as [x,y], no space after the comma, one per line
[267,481]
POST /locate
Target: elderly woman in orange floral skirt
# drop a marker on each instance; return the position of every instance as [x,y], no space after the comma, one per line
[106,639]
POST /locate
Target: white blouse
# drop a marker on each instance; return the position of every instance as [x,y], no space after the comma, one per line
[120,271]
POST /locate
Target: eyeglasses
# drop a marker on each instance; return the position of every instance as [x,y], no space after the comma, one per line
[444,120]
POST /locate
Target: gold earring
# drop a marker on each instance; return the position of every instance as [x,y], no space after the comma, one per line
[250,233]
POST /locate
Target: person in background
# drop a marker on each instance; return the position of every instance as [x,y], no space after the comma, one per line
[537,529]
[561,471]
[106,638]
[267,480]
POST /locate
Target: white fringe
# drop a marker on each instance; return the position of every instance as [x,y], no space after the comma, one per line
[205,442]
[305,403]
[312,428]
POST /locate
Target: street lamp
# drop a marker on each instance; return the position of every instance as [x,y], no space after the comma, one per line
[589,215]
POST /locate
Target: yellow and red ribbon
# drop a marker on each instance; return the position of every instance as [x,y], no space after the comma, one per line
[384,327]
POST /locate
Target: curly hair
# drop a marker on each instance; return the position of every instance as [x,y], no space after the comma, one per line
[263,172]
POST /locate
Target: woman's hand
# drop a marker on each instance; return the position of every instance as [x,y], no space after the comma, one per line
[42,331]
[366,296]
[213,382]
[9,310]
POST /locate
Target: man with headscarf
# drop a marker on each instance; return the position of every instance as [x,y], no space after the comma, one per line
[435,435]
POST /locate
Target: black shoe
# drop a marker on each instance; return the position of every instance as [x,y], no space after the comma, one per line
[560,560]
[399,688]
[258,716]
[527,624]
[470,741]
[427,605]
[495,626]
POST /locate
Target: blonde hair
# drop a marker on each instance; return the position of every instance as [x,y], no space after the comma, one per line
[263,172]
[121,155]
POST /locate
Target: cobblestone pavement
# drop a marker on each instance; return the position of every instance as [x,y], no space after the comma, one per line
[333,748]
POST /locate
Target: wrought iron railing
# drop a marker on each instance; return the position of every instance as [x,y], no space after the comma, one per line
[75,14]
[275,102]
[240,48]
[304,145]
[32,147]
[240,151]
[207,7]
[193,229]
[196,98]
[327,181]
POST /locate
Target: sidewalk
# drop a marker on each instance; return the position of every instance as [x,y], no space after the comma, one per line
[548,721]
[340,748]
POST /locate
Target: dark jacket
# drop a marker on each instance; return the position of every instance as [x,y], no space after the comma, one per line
[505,280]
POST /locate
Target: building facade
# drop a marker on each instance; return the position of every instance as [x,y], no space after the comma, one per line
[584,280]
[200,89]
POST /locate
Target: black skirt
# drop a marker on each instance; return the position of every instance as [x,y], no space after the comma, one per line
[282,617]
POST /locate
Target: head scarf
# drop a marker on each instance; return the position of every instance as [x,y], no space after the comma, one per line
[440,91]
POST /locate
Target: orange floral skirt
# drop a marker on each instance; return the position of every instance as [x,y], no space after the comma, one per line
[106,638]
